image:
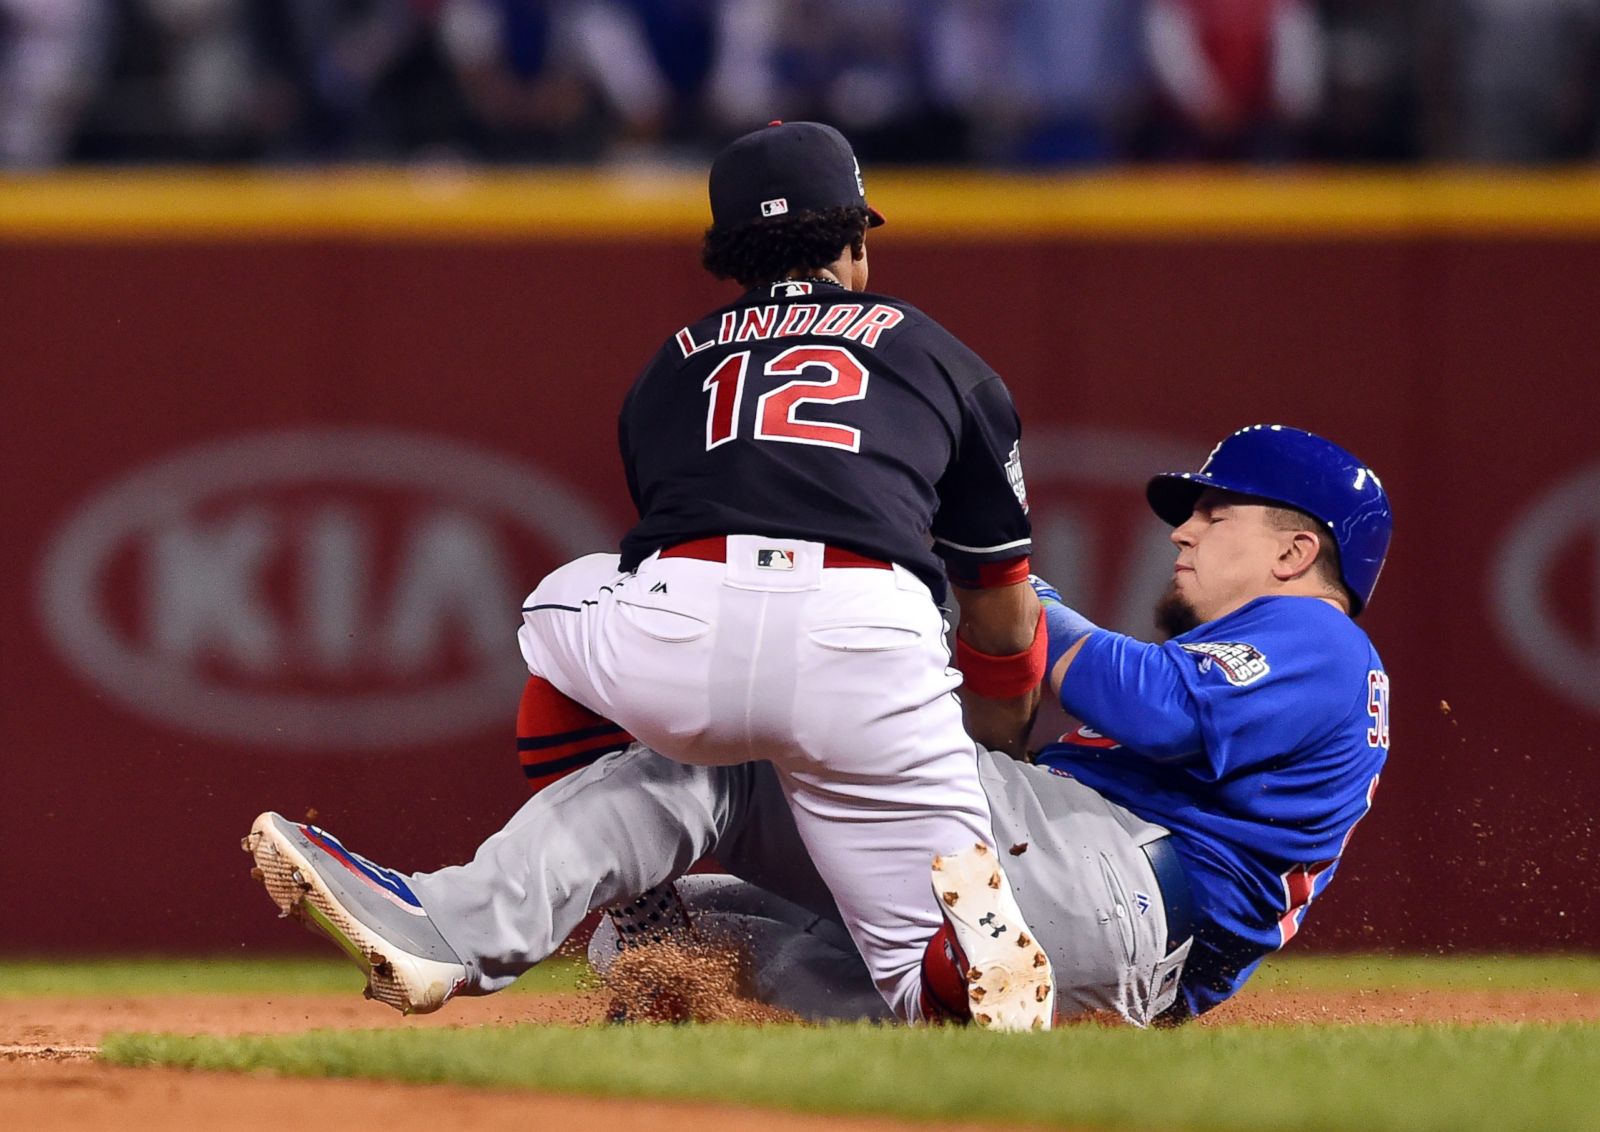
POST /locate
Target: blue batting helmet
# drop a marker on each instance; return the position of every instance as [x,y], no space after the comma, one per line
[1303,471]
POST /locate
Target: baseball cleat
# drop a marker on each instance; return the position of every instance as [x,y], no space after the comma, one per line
[368,910]
[1010,985]
[657,916]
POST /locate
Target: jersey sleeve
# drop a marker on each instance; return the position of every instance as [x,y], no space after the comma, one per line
[1135,693]
[1245,690]
[983,505]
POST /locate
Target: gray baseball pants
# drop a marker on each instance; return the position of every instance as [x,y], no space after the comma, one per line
[634,819]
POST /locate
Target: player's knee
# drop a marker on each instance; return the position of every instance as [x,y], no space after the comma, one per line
[557,736]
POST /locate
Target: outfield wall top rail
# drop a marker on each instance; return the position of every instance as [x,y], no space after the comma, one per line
[459,203]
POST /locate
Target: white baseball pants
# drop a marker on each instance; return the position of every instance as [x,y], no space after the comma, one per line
[837,676]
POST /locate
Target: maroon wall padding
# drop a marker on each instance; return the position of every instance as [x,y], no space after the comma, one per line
[314,479]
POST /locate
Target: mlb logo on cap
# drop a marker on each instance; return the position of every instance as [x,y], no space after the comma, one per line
[775,207]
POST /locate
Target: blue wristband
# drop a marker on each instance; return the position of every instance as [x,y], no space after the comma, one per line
[1064,627]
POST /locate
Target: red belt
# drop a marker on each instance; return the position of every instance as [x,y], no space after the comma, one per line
[716,550]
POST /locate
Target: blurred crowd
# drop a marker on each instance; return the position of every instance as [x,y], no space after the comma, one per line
[1010,83]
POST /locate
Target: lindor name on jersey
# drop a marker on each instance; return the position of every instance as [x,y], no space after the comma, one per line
[759,323]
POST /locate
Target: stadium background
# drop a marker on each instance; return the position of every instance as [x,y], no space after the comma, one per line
[284,447]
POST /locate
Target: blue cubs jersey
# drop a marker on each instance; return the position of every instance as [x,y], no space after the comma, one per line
[1257,739]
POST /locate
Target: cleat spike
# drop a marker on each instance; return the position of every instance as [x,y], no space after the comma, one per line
[994,881]
[976,994]
[981,849]
[950,898]
[1042,992]
[1023,940]
[1039,960]
[982,1019]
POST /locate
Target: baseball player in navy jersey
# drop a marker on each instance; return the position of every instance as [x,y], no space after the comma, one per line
[809,463]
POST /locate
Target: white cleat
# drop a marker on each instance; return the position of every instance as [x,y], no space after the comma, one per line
[368,910]
[1010,984]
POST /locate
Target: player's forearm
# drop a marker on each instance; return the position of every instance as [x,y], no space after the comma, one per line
[1058,671]
[1065,631]
[1000,639]
[1001,725]
[999,621]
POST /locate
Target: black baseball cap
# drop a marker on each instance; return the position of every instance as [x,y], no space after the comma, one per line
[783,169]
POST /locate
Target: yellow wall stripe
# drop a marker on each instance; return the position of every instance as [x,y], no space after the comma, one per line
[554,205]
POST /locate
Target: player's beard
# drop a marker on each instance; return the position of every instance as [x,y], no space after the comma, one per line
[1174,615]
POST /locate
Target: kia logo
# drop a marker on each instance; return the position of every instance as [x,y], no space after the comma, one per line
[1536,615]
[333,589]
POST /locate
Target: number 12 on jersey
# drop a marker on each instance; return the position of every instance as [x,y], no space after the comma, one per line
[843,379]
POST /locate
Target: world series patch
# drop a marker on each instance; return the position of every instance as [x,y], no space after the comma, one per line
[1239,663]
[1014,476]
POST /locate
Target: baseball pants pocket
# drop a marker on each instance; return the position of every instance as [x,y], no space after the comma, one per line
[864,638]
[1120,911]
[666,625]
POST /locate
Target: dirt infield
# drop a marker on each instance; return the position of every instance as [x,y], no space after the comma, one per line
[49,1081]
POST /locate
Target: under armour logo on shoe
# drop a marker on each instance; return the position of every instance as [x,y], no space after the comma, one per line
[659,588]
[995,931]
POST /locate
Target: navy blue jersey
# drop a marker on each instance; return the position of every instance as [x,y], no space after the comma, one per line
[808,411]
[1257,739]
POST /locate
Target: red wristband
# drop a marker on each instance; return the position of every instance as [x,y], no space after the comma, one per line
[1003,677]
[992,575]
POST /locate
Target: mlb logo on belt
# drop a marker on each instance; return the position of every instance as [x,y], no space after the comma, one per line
[775,207]
[775,559]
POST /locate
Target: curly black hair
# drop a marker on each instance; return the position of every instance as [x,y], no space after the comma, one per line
[766,250]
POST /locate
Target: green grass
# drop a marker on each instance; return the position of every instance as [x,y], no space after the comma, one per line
[157,976]
[1361,1079]
[1374,1079]
[42,977]
[1417,972]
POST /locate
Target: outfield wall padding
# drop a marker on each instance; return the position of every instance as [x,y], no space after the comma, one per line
[271,504]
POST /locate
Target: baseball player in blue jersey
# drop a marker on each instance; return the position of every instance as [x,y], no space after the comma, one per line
[1257,733]
[1160,850]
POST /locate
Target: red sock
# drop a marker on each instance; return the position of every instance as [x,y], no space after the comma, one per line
[944,980]
[556,735]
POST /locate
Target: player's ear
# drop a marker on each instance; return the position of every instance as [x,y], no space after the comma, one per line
[1297,555]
